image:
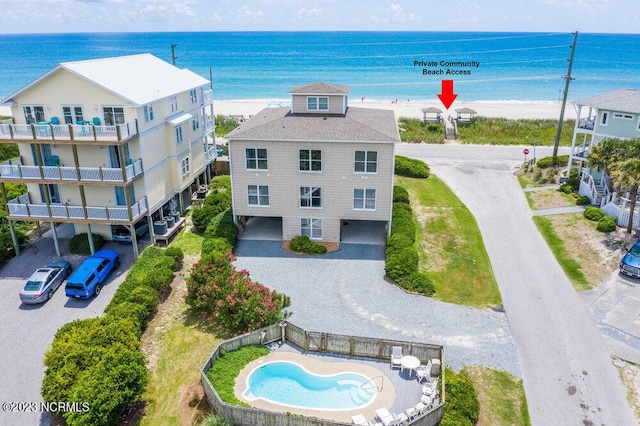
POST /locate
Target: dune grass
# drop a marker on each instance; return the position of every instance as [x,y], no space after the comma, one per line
[503,131]
[450,245]
[414,130]
[571,268]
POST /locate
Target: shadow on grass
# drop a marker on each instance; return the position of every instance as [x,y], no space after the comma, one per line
[206,323]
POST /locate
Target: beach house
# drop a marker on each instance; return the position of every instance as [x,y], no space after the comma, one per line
[611,115]
[316,168]
[110,142]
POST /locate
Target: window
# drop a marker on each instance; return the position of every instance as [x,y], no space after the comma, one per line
[72,114]
[256,158]
[364,199]
[113,115]
[185,166]
[623,116]
[193,94]
[33,114]
[195,122]
[148,113]
[310,160]
[173,101]
[311,228]
[179,134]
[258,195]
[366,162]
[310,196]
[605,118]
[315,103]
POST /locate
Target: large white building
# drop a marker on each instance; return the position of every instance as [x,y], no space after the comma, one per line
[109,141]
[316,166]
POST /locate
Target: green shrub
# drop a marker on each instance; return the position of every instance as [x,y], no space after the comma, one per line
[567,189]
[583,200]
[220,199]
[401,263]
[133,311]
[593,213]
[397,242]
[411,167]
[400,195]
[461,405]
[402,221]
[550,161]
[215,420]
[303,244]
[145,296]
[177,255]
[537,175]
[79,244]
[607,224]
[219,245]
[221,183]
[573,183]
[202,217]
[417,282]
[222,226]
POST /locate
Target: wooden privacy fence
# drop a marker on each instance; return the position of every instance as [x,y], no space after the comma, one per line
[353,346]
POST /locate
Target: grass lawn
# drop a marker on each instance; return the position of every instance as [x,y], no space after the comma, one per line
[549,199]
[451,249]
[177,343]
[501,396]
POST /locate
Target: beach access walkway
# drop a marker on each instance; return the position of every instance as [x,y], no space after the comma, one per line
[568,375]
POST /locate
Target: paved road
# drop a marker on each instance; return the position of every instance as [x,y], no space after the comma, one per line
[568,375]
[26,331]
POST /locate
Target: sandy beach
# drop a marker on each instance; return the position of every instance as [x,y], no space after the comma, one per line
[511,109]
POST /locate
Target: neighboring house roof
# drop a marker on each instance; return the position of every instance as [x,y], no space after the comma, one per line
[139,79]
[320,88]
[466,111]
[357,125]
[623,100]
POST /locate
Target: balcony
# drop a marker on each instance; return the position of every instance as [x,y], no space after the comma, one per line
[14,171]
[210,154]
[87,133]
[207,97]
[21,209]
[587,123]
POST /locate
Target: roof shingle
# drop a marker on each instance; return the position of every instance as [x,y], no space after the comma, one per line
[623,100]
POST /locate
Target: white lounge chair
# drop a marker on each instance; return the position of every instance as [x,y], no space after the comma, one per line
[396,356]
[430,388]
[385,416]
[424,372]
[359,420]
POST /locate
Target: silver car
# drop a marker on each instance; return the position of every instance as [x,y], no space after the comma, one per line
[45,281]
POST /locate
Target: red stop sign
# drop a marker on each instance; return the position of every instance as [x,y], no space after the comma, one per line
[526,151]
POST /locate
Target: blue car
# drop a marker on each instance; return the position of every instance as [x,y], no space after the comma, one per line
[630,263]
[88,279]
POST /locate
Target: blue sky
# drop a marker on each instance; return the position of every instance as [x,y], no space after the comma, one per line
[40,16]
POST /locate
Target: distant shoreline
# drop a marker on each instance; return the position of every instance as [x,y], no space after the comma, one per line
[505,109]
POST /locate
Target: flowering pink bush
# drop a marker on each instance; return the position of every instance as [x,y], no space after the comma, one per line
[231,296]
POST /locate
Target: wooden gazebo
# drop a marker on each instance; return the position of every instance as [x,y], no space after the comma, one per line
[465,115]
[431,115]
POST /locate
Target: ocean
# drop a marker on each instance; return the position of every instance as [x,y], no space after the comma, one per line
[385,66]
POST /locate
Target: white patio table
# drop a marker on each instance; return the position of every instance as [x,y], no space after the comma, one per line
[410,362]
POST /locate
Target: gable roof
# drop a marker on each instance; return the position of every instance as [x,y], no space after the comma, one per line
[357,125]
[623,100]
[139,79]
[320,88]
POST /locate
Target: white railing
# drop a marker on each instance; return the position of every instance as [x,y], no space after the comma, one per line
[211,154]
[67,132]
[587,123]
[207,96]
[208,126]
[25,209]
[88,174]
[588,185]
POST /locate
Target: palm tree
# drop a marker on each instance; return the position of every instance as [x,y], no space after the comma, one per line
[627,175]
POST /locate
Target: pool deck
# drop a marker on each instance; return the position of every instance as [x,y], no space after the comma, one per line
[398,391]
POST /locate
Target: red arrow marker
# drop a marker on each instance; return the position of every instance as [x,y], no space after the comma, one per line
[447,97]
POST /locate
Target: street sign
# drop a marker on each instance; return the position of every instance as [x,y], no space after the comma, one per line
[526,151]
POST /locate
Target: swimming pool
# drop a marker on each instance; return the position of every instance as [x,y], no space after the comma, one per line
[287,383]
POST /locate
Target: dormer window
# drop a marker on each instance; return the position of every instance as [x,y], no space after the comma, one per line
[318,103]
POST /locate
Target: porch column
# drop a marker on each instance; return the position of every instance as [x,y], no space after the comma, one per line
[55,238]
[90,236]
[134,240]
[150,221]
[39,229]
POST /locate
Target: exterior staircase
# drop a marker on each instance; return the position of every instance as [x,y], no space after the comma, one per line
[450,129]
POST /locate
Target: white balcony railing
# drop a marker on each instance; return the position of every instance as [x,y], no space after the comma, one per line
[61,173]
[18,208]
[207,96]
[587,123]
[69,132]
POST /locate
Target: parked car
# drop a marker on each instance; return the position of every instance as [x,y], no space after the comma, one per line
[630,263]
[88,279]
[122,233]
[45,281]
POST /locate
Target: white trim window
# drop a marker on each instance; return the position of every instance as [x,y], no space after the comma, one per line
[621,116]
[364,199]
[72,114]
[148,113]
[173,102]
[311,197]
[311,228]
[113,115]
[310,160]
[186,168]
[256,158]
[178,134]
[193,95]
[605,118]
[195,122]
[317,103]
[366,162]
[33,113]
[258,195]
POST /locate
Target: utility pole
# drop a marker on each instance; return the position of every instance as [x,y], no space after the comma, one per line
[567,80]
[173,53]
